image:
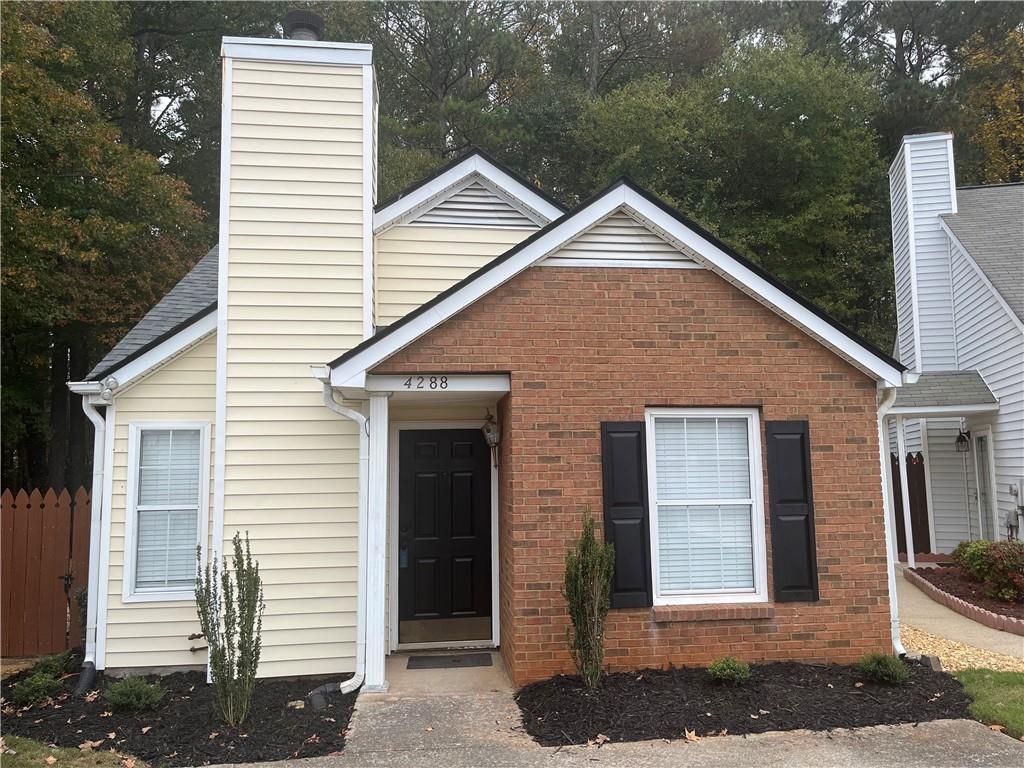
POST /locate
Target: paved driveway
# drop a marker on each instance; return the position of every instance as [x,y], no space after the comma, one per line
[482,731]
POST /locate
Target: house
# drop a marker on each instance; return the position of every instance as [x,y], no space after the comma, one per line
[410,407]
[959,270]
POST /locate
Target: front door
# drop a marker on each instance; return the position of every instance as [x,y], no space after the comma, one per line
[986,503]
[444,536]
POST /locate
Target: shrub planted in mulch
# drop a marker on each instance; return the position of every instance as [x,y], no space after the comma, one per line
[182,727]
[998,566]
[953,581]
[665,704]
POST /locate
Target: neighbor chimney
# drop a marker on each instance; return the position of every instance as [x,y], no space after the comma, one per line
[303,25]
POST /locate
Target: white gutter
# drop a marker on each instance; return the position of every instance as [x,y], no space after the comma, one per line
[87,390]
[888,398]
[323,374]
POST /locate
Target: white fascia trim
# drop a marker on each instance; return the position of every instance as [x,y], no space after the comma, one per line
[460,172]
[456,384]
[165,351]
[296,51]
[940,411]
[561,261]
[223,243]
[981,275]
[369,198]
[558,235]
[128,592]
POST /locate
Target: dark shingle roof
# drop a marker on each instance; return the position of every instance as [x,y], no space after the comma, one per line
[945,388]
[194,295]
[989,222]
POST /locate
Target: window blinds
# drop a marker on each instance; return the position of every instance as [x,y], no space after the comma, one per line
[704,504]
[167,507]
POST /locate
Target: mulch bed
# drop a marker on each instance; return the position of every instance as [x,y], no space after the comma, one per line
[664,704]
[184,730]
[951,580]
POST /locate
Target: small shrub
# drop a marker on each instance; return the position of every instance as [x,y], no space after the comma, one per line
[729,670]
[37,687]
[231,617]
[134,694]
[997,565]
[588,586]
[969,557]
[883,668]
[55,665]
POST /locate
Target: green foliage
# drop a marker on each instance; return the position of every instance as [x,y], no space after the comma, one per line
[729,670]
[82,604]
[230,606]
[134,694]
[997,565]
[55,665]
[883,668]
[589,567]
[998,698]
[36,688]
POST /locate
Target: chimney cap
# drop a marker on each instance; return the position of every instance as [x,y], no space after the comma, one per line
[302,25]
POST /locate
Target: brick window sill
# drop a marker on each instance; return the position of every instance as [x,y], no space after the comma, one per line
[664,614]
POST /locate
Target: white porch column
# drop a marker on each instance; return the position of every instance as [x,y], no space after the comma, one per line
[376,544]
[901,449]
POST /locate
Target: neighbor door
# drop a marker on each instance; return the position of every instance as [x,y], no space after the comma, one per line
[444,536]
[986,501]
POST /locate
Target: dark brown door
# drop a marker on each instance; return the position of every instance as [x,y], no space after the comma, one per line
[444,536]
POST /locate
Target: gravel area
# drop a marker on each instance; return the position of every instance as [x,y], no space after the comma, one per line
[956,656]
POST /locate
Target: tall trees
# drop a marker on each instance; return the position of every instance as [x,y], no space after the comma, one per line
[93,232]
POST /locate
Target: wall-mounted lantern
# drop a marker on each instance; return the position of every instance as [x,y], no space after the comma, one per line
[963,442]
[492,435]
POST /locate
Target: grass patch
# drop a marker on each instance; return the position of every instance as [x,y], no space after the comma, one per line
[19,752]
[998,698]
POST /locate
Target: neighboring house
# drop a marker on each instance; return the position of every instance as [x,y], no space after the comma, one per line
[410,408]
[959,270]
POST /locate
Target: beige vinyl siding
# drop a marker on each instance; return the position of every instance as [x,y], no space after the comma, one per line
[414,263]
[155,634]
[294,288]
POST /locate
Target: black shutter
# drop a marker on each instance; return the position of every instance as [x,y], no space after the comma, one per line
[792,511]
[624,473]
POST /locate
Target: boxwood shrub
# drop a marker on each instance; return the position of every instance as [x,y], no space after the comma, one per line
[134,694]
[883,668]
[729,670]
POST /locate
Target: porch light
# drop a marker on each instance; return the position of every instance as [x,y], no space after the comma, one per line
[963,442]
[492,435]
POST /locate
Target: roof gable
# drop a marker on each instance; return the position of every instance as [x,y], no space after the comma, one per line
[620,239]
[474,190]
[350,368]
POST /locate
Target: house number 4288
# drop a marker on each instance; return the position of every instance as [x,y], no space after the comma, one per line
[426,382]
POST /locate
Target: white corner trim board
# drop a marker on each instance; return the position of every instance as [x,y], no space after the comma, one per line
[569,227]
[449,181]
[369,199]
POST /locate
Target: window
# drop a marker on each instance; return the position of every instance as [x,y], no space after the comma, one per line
[167,499]
[707,518]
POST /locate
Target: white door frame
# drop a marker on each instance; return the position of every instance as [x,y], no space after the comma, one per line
[986,432]
[393,644]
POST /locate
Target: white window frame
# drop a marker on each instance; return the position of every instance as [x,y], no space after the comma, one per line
[129,594]
[759,592]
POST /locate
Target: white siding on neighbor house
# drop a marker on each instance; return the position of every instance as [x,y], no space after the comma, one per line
[949,510]
[620,237]
[414,263]
[294,298]
[991,341]
[905,349]
[476,204]
[155,634]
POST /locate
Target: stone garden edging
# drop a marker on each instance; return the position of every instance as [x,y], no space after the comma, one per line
[964,608]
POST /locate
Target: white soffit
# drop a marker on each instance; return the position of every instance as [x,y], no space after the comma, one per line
[354,364]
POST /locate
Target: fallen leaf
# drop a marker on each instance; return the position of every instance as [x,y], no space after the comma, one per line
[763,712]
[754,717]
[213,735]
[92,696]
[50,759]
[429,728]
[690,735]
[147,728]
[106,714]
[724,732]
[112,735]
[999,728]
[830,685]
[127,762]
[88,746]
[600,739]
[858,685]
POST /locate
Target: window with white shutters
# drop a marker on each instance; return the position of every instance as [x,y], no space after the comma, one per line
[167,500]
[707,526]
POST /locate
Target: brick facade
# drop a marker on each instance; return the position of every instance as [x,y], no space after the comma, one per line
[586,345]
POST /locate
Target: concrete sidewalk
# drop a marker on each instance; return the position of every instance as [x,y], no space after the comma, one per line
[920,611]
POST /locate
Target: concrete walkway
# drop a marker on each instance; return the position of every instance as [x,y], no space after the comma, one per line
[919,610]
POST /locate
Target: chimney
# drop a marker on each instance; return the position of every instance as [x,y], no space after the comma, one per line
[298,180]
[922,187]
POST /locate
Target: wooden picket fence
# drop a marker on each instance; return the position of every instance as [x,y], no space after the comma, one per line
[45,563]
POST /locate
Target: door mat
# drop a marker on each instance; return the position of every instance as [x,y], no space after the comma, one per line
[450,662]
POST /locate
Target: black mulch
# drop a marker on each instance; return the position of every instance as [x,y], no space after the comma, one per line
[953,581]
[184,730]
[664,704]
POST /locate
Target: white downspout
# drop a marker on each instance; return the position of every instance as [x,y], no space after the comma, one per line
[888,398]
[364,458]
